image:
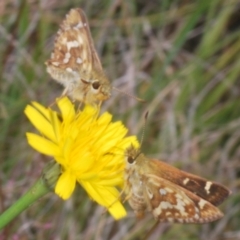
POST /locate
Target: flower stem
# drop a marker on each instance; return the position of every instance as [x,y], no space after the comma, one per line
[38,190]
[41,187]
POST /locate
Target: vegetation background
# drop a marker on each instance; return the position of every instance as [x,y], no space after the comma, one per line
[182,57]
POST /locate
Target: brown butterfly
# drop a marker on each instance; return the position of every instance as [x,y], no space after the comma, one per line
[170,194]
[74,62]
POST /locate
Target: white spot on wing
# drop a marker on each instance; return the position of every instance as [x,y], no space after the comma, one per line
[185,181]
[78,26]
[180,207]
[67,55]
[178,196]
[79,60]
[208,186]
[64,41]
[55,64]
[162,191]
[69,70]
[196,216]
[65,60]
[201,203]
[165,205]
[196,210]
[72,44]
[168,214]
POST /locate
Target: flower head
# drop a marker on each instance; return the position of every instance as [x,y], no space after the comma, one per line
[88,147]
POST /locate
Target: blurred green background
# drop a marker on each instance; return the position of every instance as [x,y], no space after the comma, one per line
[182,57]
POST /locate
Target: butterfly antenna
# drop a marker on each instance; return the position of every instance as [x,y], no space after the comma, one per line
[129,95]
[144,127]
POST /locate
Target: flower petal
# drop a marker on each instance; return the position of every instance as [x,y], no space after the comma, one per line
[56,125]
[66,108]
[40,122]
[43,145]
[107,197]
[43,110]
[117,210]
[65,185]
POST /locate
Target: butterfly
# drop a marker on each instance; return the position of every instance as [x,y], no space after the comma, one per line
[170,194]
[74,62]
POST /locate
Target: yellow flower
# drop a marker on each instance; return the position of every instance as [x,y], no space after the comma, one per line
[89,148]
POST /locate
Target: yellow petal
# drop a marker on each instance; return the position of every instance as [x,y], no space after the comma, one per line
[66,108]
[56,125]
[117,211]
[111,181]
[104,119]
[43,110]
[107,197]
[67,146]
[65,185]
[40,122]
[43,145]
[60,160]
[84,163]
[89,111]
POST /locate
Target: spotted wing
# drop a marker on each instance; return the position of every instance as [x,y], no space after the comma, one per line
[74,55]
[171,203]
[93,56]
[212,192]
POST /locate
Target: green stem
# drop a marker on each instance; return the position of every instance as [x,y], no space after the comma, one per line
[44,184]
[38,190]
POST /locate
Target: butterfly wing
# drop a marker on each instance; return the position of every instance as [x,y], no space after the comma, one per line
[212,192]
[74,56]
[171,203]
[93,56]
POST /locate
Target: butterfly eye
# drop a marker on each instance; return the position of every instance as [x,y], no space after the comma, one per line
[130,160]
[96,85]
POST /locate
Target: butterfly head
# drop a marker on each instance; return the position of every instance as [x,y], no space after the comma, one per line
[98,89]
[133,157]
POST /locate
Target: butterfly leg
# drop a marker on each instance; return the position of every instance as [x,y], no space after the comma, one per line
[99,104]
[117,199]
[79,106]
[64,93]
